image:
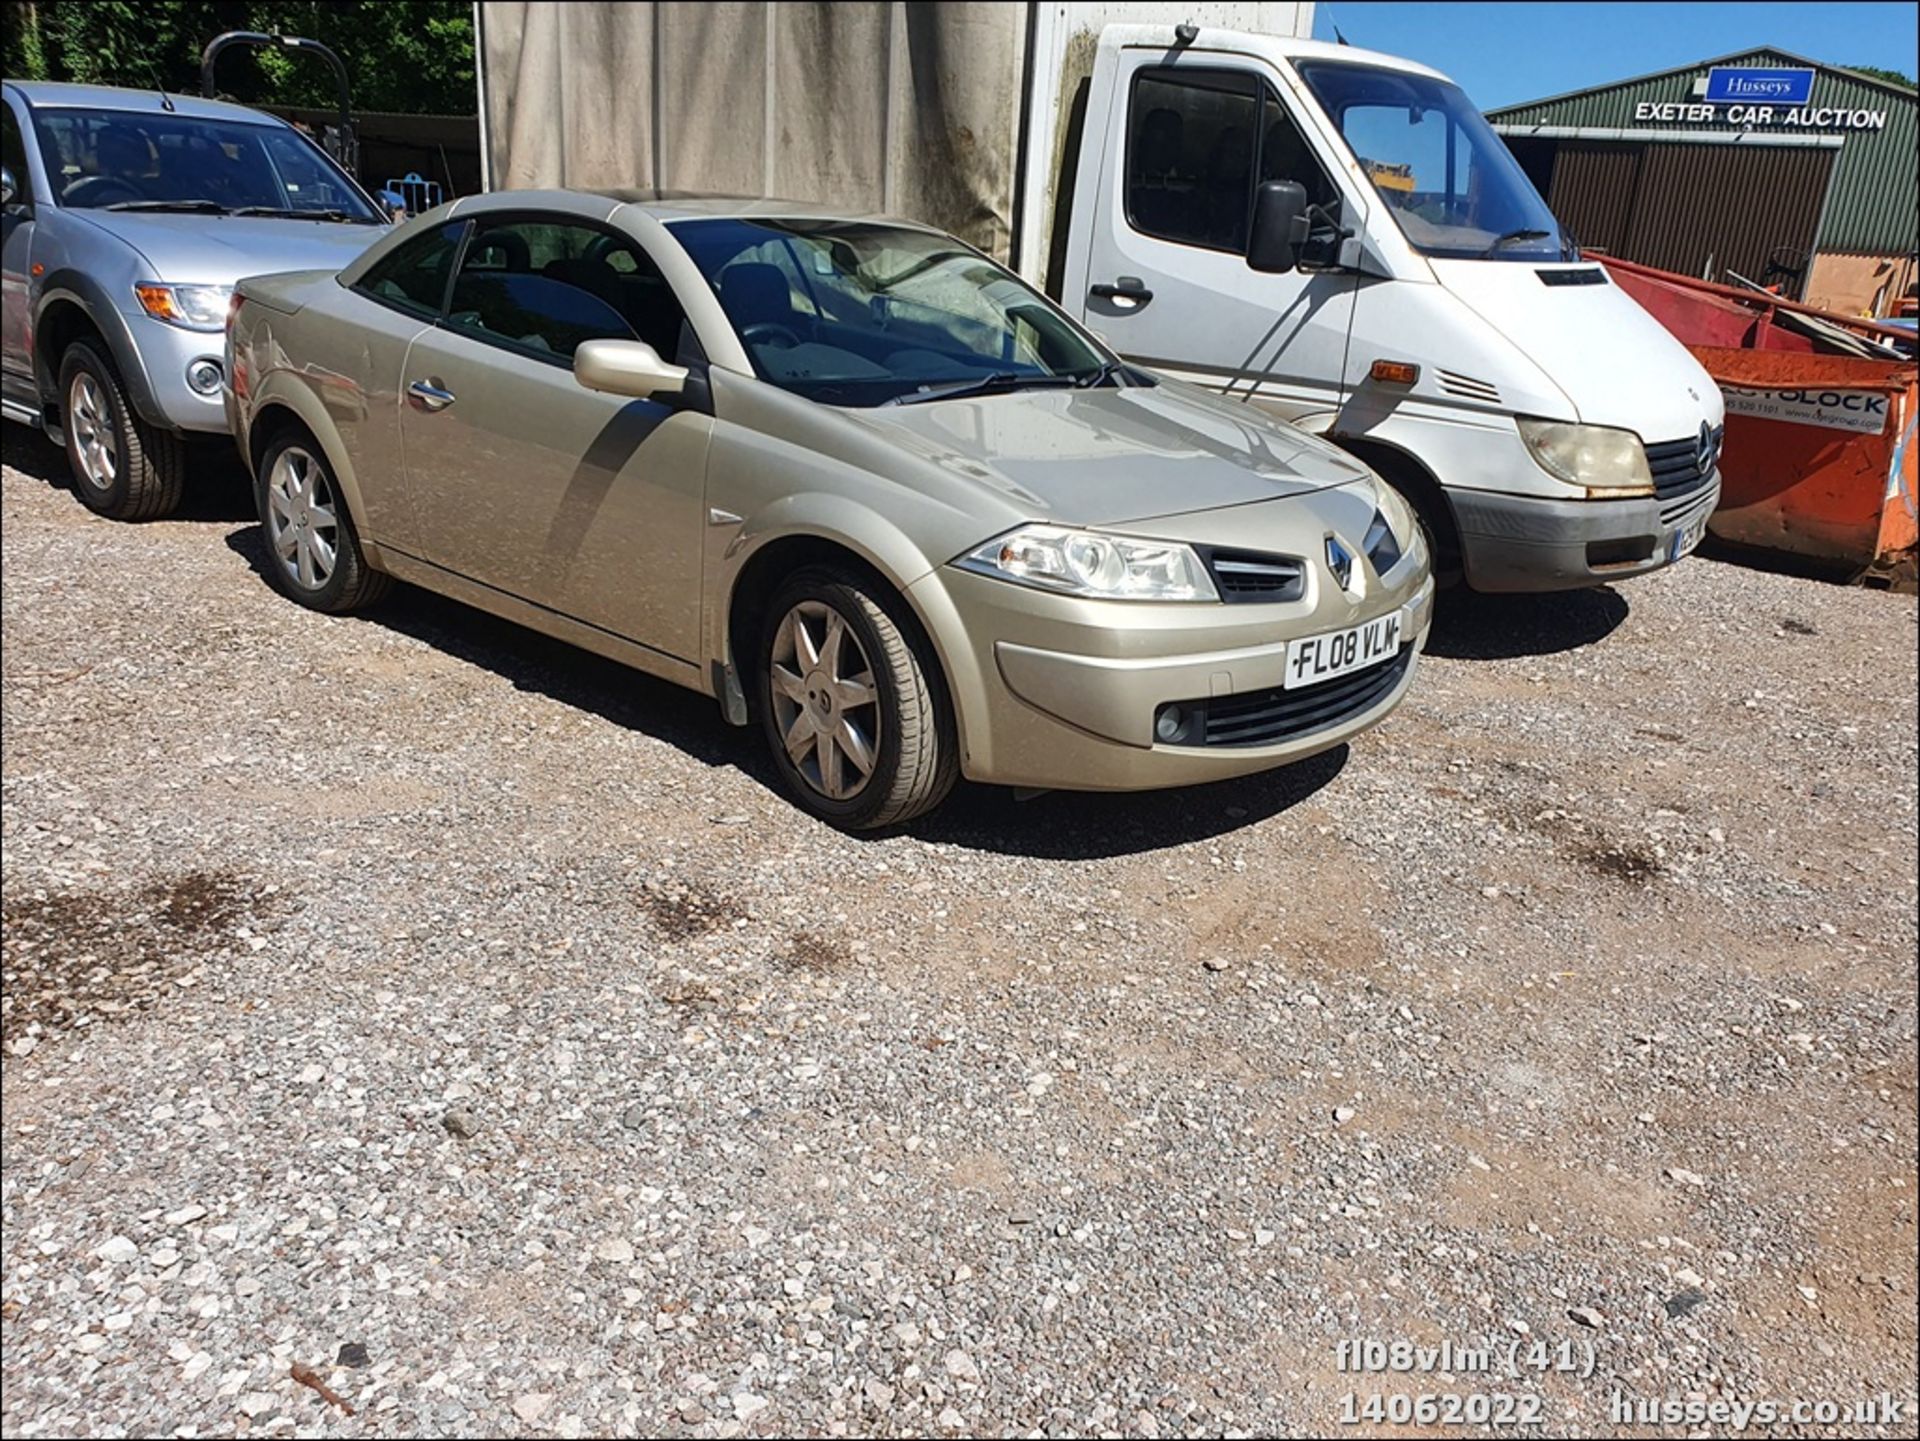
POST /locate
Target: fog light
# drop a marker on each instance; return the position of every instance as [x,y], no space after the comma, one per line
[203,377]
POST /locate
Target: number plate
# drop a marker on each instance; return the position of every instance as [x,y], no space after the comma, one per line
[1316,658]
[1687,537]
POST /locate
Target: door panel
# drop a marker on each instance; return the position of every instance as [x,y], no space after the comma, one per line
[1186,144]
[16,243]
[584,503]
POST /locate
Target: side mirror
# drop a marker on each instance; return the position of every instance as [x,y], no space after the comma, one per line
[1279,215]
[626,367]
[7,191]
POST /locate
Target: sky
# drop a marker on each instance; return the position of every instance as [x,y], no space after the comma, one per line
[1502,54]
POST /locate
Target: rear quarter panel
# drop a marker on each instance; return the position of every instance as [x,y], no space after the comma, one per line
[309,345]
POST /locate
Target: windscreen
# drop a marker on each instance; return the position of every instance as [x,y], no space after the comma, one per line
[1446,177]
[135,160]
[862,313]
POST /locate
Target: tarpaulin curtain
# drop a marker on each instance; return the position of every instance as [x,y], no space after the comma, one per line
[911,109]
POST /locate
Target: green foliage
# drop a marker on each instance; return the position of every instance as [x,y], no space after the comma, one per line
[401,55]
[1892,77]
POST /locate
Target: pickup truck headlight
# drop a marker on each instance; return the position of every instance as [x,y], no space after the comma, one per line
[1085,562]
[1606,462]
[191,307]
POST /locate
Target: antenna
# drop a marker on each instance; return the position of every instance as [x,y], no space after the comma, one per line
[1184,34]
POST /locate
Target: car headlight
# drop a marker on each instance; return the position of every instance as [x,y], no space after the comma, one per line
[1393,531]
[191,307]
[1084,562]
[1605,461]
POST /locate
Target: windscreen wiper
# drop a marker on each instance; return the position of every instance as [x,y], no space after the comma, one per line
[983,385]
[193,207]
[1513,235]
[282,212]
[1108,373]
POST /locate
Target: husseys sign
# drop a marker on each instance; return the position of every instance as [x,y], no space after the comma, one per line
[1780,99]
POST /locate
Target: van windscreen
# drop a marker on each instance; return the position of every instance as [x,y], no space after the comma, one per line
[1446,177]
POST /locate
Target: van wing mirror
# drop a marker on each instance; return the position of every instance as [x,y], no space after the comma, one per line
[1279,210]
[626,367]
[7,190]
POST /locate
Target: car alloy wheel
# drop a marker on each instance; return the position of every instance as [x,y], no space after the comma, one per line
[302,524]
[96,446]
[826,700]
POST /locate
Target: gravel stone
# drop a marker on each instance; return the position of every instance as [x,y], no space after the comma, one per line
[285,892]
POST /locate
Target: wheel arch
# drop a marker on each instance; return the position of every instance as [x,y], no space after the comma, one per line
[1409,475]
[276,408]
[758,569]
[73,306]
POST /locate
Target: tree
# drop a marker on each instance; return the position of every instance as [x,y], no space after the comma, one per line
[402,55]
[1892,77]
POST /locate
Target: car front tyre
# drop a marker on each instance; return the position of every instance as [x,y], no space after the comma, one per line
[851,703]
[123,468]
[313,553]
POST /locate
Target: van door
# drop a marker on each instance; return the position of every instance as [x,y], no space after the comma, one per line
[1168,284]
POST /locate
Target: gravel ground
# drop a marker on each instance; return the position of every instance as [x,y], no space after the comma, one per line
[441,1015]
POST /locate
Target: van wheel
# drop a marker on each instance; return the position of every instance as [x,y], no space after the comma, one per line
[123,468]
[851,705]
[313,554]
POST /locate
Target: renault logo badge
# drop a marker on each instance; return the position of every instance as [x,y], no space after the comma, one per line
[1340,562]
[1703,449]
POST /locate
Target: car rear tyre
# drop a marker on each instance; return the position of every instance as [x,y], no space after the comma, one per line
[851,703]
[123,468]
[313,554]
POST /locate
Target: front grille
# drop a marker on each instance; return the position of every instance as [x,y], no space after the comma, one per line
[1246,576]
[1685,508]
[1263,717]
[1676,468]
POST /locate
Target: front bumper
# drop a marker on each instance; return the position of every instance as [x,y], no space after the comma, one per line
[1524,543]
[1071,704]
[166,352]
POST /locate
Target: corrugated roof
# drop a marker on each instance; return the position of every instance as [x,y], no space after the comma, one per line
[1876,183]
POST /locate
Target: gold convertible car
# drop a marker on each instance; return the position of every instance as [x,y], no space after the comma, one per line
[848,476]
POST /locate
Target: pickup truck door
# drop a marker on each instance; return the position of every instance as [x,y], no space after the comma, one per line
[587,504]
[16,279]
[1184,141]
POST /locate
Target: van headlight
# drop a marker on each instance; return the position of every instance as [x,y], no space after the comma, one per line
[191,307]
[1085,562]
[1607,463]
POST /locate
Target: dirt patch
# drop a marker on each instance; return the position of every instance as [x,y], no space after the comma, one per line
[1627,861]
[70,960]
[808,952]
[680,911]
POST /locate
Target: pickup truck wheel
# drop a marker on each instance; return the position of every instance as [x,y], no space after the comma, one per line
[850,701]
[123,468]
[313,554]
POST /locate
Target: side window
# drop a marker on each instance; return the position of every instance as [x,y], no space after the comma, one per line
[545,286]
[13,154]
[414,277]
[1190,156]
[1286,155]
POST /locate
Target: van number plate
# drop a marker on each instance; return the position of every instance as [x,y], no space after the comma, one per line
[1316,658]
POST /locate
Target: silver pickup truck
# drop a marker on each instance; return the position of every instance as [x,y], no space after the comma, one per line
[128,216]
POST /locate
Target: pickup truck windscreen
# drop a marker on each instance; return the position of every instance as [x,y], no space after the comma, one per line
[859,313]
[136,160]
[1444,174]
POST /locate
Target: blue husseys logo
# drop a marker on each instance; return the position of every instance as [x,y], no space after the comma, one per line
[1727,86]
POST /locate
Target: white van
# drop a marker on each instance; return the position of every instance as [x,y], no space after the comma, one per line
[1341,238]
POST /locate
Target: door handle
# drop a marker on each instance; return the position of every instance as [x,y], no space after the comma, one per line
[430,396]
[1127,287]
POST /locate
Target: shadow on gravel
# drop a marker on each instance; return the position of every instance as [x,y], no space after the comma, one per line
[1084,825]
[218,488]
[1469,626]
[562,672]
[1059,825]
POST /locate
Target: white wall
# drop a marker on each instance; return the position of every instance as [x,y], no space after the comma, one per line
[1062,33]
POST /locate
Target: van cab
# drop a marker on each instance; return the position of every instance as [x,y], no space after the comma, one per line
[1340,238]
